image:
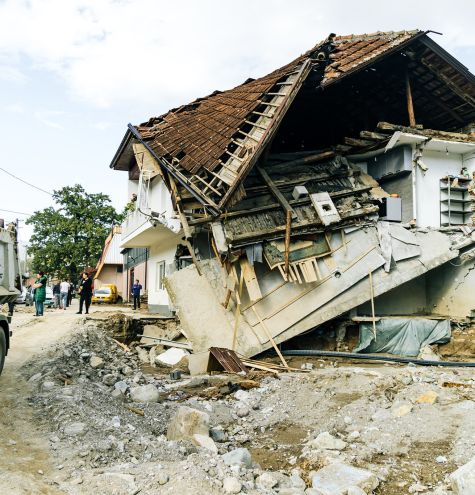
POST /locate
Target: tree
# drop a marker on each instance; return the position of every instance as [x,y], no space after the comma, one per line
[70,238]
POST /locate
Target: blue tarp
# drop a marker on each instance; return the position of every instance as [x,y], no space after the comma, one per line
[402,336]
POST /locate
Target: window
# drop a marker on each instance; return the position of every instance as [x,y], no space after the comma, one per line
[160,275]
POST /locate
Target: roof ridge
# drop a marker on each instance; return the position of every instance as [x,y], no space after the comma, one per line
[376,34]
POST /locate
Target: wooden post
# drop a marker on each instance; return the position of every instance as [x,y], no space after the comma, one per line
[410,106]
[287,243]
[372,303]
[269,336]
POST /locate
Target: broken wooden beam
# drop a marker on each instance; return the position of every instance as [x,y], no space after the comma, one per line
[276,193]
[307,160]
[410,103]
[374,136]
[357,143]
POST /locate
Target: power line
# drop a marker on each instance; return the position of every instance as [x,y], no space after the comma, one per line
[17,212]
[25,182]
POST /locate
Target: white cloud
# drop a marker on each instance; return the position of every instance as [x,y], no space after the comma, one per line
[49,118]
[101,126]
[167,53]
[11,74]
[17,108]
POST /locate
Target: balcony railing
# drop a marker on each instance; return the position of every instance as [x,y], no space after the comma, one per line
[134,222]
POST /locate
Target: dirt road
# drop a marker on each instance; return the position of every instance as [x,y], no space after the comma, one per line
[25,460]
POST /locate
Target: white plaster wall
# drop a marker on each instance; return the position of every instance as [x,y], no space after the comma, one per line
[163,250]
[132,188]
[427,184]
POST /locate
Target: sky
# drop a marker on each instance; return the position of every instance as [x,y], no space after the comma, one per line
[73,73]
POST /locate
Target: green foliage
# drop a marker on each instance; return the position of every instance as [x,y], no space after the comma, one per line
[70,237]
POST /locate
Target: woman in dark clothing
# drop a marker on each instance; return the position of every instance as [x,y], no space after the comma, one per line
[85,289]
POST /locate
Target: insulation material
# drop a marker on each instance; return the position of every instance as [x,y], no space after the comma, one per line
[402,336]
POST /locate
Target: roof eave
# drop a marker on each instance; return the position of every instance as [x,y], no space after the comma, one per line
[123,145]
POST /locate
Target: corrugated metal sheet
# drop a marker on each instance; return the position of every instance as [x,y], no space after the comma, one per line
[113,256]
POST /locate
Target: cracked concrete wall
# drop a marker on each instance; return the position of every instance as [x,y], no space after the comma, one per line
[451,289]
[407,299]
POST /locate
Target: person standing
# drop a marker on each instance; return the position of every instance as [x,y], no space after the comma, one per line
[85,289]
[70,293]
[64,293]
[40,292]
[136,288]
[57,295]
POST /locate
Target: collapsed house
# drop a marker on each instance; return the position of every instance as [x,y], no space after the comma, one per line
[335,188]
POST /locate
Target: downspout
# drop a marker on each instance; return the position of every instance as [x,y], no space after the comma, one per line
[414,184]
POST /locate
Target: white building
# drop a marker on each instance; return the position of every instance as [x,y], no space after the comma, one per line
[151,222]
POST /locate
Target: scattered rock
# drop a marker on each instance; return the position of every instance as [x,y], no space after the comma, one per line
[217,434]
[121,386]
[441,459]
[267,481]
[204,441]
[463,479]
[144,393]
[325,441]
[338,477]
[428,398]
[231,485]
[109,379]
[143,355]
[238,457]
[353,436]
[186,423]
[47,386]
[171,357]
[163,478]
[400,410]
[355,490]
[427,354]
[96,362]
[242,412]
[75,429]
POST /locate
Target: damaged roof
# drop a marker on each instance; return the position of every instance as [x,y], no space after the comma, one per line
[211,144]
[200,131]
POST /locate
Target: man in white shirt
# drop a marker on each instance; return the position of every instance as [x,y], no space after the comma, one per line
[64,289]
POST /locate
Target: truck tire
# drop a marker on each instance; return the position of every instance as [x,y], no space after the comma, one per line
[3,348]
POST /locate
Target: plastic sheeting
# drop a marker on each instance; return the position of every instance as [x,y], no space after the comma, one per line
[402,336]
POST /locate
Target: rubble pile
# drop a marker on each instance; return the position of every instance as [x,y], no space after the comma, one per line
[117,428]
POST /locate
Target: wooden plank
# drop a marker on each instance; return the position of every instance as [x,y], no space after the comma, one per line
[288,225]
[276,193]
[269,336]
[250,279]
[219,237]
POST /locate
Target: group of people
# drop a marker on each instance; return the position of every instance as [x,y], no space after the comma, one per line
[62,293]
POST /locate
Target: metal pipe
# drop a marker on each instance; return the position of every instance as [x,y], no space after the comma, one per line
[373,357]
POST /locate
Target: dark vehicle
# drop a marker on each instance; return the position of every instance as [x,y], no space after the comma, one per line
[9,277]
